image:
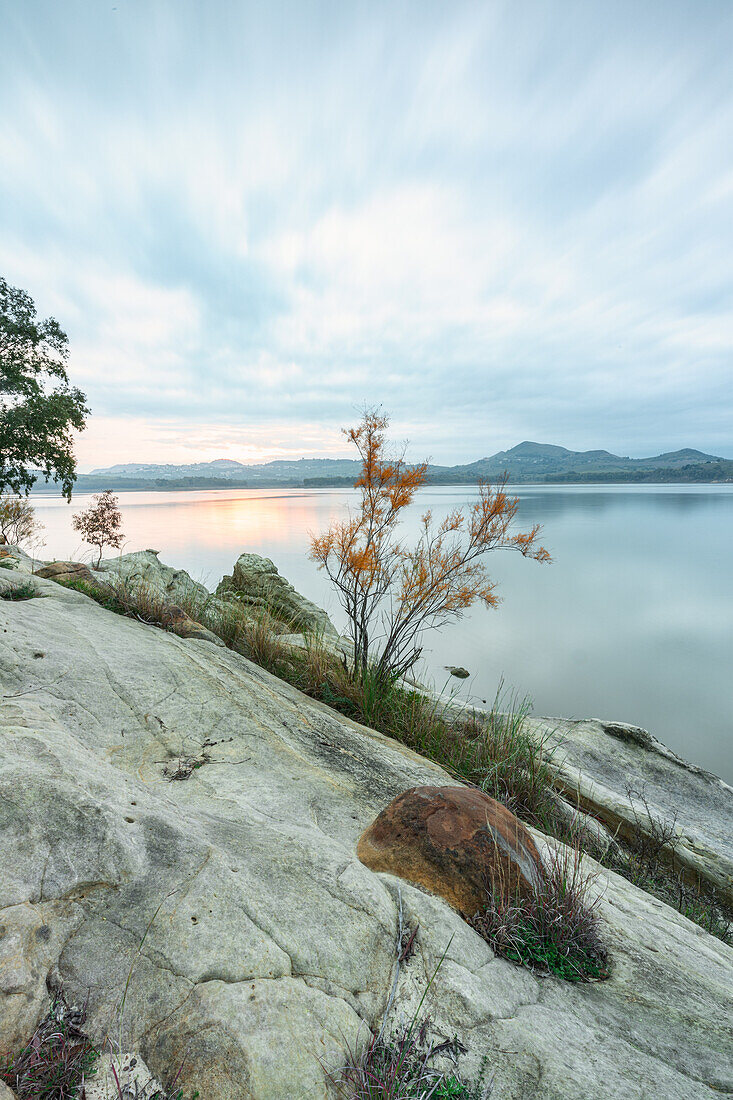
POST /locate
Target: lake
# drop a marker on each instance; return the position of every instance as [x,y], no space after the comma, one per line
[633,621]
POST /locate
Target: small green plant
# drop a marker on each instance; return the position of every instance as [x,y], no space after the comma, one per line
[25,591]
[57,1060]
[555,927]
[401,1066]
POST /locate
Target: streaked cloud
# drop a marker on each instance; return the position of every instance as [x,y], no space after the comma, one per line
[502,221]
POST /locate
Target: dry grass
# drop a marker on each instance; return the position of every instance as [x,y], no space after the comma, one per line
[554,927]
[56,1061]
[402,1067]
[17,592]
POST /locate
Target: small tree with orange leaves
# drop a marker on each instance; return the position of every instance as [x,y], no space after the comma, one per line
[391,593]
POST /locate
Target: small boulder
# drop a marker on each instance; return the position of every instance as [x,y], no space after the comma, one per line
[456,842]
[457,671]
[255,581]
[5,1092]
[66,571]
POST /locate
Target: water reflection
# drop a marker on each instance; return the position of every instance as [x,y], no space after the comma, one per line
[633,621]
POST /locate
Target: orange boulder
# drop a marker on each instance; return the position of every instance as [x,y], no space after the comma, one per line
[456,842]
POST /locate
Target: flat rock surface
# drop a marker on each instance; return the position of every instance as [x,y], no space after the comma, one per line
[612,765]
[256,944]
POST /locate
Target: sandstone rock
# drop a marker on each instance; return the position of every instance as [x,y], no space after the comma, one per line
[607,767]
[13,558]
[256,582]
[136,1082]
[186,627]
[66,570]
[456,842]
[236,901]
[143,568]
[5,1092]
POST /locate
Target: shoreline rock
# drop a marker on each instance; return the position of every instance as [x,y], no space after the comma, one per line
[634,784]
[259,944]
[256,582]
[456,842]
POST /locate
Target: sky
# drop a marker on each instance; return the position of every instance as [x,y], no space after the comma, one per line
[500,221]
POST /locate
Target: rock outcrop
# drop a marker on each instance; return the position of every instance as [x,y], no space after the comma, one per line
[143,568]
[255,581]
[455,841]
[66,571]
[13,558]
[256,944]
[634,784]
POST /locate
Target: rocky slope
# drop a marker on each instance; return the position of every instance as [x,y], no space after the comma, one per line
[258,945]
[631,781]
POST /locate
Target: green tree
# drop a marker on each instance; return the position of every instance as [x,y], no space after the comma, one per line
[39,408]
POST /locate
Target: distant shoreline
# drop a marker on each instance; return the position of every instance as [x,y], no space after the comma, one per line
[100,484]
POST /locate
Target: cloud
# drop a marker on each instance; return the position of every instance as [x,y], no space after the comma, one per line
[501,221]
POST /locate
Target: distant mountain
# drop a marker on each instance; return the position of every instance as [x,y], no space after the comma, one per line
[218,467]
[281,470]
[527,462]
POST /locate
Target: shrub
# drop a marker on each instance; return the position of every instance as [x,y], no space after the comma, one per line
[555,927]
[18,523]
[100,524]
[393,592]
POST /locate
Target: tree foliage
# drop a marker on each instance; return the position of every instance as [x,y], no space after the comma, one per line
[101,523]
[18,523]
[39,408]
[390,592]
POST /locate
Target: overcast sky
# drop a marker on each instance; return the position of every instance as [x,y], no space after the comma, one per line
[502,221]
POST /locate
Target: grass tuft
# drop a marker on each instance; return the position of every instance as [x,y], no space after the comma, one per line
[56,1062]
[25,591]
[401,1067]
[556,927]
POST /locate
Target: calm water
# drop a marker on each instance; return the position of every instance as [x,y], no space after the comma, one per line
[633,621]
